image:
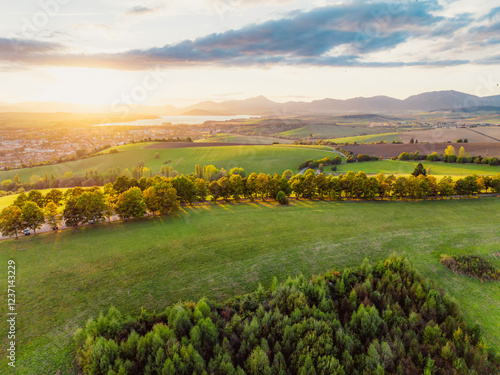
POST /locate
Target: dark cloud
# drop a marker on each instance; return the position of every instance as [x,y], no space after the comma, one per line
[340,35]
[304,36]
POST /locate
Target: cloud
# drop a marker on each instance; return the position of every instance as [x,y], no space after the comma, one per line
[341,35]
[140,11]
[18,49]
[304,36]
[493,14]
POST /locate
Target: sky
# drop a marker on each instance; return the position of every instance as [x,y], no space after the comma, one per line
[180,52]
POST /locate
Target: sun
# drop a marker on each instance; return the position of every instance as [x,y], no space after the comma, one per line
[88,86]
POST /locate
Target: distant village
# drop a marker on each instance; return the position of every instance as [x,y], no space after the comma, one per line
[20,148]
[27,147]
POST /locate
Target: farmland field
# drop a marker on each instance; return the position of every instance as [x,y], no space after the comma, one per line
[333,131]
[267,159]
[248,139]
[407,167]
[222,250]
[384,137]
[473,135]
[389,150]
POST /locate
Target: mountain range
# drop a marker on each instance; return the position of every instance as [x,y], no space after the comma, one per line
[261,106]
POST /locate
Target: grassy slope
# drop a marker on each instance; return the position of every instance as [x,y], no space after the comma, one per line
[267,159]
[227,138]
[385,137]
[407,167]
[65,278]
[346,130]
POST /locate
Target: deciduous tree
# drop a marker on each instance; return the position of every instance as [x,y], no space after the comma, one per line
[11,221]
[131,204]
[52,215]
[33,216]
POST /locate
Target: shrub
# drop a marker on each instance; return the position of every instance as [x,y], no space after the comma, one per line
[404,156]
[470,265]
[282,198]
[363,157]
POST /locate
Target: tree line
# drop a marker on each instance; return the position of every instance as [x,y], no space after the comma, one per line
[134,198]
[378,319]
[449,156]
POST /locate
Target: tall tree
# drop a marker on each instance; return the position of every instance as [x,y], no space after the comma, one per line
[251,187]
[72,213]
[214,189]
[92,205]
[33,216]
[186,189]
[55,196]
[224,188]
[202,189]
[236,186]
[51,215]
[131,204]
[461,152]
[161,198]
[36,196]
[450,150]
[419,170]
[20,200]
[11,221]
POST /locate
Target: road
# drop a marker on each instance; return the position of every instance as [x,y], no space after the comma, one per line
[333,150]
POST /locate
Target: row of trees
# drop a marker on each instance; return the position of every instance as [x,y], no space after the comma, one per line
[134,198]
[382,319]
[94,178]
[310,163]
[449,156]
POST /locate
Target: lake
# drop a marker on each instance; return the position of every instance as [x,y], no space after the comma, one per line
[176,120]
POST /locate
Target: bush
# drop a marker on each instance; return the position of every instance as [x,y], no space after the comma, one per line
[282,198]
[404,156]
[494,161]
[470,265]
[363,157]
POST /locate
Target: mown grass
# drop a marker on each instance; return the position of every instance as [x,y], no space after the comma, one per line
[407,167]
[222,250]
[267,159]
[384,137]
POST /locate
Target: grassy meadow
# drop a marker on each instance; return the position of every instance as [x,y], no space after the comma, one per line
[334,131]
[221,250]
[267,159]
[246,139]
[384,137]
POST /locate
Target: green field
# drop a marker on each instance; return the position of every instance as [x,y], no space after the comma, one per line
[334,131]
[222,250]
[246,139]
[407,167]
[266,159]
[7,200]
[384,137]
